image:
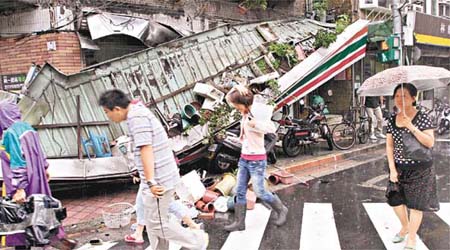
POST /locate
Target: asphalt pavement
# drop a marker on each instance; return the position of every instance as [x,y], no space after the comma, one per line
[342,210]
[347,210]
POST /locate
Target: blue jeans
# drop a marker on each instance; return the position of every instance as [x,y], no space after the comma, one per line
[254,170]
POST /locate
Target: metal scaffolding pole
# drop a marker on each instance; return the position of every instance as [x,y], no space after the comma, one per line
[397,21]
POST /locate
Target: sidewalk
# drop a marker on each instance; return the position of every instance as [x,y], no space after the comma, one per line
[323,156]
[86,212]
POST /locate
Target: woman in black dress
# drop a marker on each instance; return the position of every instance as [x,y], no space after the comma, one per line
[417,179]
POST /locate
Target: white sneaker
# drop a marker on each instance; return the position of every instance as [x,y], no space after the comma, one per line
[381,136]
[373,137]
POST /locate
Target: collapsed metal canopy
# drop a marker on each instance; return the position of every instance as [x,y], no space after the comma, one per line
[163,77]
[149,32]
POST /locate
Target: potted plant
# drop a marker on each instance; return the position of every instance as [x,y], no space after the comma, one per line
[320,7]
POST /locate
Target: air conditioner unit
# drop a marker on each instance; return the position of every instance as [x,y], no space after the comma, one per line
[368,4]
[417,8]
[372,4]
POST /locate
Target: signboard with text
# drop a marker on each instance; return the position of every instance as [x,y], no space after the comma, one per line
[432,30]
[13,83]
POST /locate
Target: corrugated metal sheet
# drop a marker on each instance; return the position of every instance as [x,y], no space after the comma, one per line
[164,76]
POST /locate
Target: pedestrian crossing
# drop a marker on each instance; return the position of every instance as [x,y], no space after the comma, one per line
[387,225]
[444,212]
[323,237]
[318,228]
[255,224]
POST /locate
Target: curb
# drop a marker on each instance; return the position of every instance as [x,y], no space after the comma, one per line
[329,158]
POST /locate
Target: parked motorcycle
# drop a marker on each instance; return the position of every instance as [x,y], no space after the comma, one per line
[225,154]
[444,123]
[301,133]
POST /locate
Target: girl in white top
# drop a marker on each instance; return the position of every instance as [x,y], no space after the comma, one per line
[252,164]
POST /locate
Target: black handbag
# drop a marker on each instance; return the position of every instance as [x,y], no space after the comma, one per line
[414,150]
[392,188]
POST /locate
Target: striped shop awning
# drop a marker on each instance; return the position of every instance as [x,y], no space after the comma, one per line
[324,64]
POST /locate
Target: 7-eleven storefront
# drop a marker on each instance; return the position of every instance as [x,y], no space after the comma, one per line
[324,65]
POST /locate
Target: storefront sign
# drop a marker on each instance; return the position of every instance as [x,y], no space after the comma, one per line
[432,30]
[13,83]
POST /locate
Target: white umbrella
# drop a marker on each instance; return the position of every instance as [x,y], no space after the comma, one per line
[423,77]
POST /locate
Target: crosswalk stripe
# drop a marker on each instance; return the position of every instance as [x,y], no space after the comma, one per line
[318,228]
[444,212]
[255,225]
[387,225]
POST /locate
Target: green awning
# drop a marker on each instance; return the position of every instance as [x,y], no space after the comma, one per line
[378,31]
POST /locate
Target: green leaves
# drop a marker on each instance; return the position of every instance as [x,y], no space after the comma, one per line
[262,65]
[341,23]
[253,4]
[320,5]
[283,51]
[324,37]
[218,119]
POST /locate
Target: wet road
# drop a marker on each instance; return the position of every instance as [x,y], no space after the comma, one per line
[351,196]
[344,210]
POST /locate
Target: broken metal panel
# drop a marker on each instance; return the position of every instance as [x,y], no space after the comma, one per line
[163,77]
[8,96]
[104,24]
[86,43]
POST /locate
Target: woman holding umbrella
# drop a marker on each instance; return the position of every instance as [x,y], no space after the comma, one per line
[417,179]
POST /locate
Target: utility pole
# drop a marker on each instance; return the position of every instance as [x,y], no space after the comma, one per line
[397,21]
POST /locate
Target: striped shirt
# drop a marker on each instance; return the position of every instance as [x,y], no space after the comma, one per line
[146,129]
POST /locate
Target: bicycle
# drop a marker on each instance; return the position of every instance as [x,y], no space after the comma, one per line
[344,134]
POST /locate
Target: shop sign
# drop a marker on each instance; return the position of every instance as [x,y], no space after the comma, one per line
[432,30]
[13,83]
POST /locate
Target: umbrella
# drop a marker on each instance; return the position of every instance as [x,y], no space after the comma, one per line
[423,77]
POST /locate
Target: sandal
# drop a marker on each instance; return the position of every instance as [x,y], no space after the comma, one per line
[397,238]
[130,239]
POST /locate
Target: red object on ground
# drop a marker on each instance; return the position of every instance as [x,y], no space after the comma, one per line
[130,239]
[284,176]
[209,208]
[210,196]
[200,205]
[206,216]
[274,179]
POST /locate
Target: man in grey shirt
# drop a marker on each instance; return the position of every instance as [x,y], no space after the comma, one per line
[156,165]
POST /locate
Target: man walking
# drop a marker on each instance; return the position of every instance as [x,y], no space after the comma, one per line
[157,169]
[373,107]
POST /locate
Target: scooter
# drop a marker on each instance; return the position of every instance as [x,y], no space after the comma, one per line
[225,154]
[301,133]
[444,123]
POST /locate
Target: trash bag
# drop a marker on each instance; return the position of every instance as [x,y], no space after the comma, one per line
[11,212]
[39,218]
[13,217]
[44,223]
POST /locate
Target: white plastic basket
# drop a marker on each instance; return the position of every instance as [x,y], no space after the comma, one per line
[117,215]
